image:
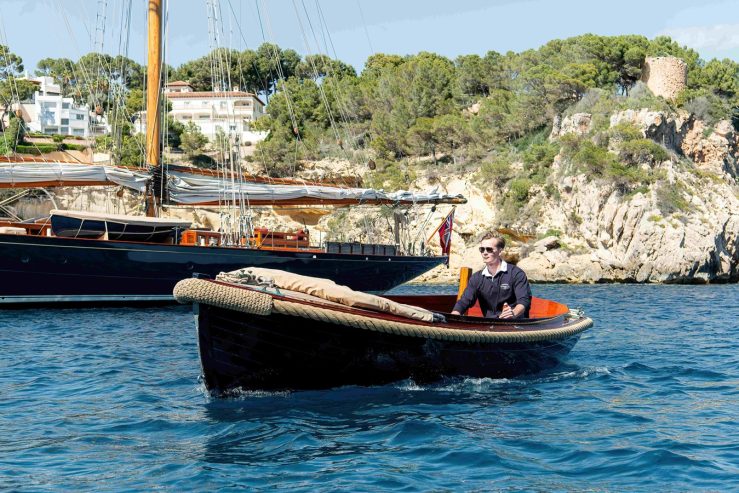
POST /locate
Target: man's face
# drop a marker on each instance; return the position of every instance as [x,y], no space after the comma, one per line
[490,250]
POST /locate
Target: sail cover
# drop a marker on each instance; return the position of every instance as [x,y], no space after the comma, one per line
[29,174]
[198,189]
[204,189]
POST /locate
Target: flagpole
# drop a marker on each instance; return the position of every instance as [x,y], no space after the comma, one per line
[440,225]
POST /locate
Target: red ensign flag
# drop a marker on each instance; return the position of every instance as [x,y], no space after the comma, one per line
[445,234]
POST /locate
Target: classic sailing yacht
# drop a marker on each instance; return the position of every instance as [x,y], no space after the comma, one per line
[78,256]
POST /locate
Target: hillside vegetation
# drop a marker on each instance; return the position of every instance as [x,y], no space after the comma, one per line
[485,110]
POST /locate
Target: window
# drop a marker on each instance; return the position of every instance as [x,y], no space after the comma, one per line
[232,127]
[79,117]
[50,130]
[65,121]
[204,117]
[65,131]
[78,131]
[65,106]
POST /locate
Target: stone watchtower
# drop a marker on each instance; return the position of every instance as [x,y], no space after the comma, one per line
[665,76]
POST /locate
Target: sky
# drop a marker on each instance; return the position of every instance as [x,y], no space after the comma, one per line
[351,30]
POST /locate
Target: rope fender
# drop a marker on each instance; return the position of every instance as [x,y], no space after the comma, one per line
[230,298]
[247,301]
[438,333]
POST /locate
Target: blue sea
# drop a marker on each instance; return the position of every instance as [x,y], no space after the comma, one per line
[110,400]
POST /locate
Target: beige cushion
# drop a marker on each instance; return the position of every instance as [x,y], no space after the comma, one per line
[327,290]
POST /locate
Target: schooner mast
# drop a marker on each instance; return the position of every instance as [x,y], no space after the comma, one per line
[153,117]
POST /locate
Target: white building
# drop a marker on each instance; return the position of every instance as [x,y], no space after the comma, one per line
[231,111]
[51,113]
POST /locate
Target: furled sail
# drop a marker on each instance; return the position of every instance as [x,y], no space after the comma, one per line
[196,187]
[193,189]
[25,173]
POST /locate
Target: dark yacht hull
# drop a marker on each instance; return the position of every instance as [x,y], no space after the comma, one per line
[50,270]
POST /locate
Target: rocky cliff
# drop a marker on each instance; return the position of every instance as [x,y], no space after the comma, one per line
[682,229]
[601,234]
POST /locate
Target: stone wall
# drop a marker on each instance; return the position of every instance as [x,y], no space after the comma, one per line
[665,76]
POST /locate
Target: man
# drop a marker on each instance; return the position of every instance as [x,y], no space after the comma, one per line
[501,288]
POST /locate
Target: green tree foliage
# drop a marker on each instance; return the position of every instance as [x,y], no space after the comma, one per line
[11,65]
[14,134]
[62,70]
[12,89]
[174,131]
[477,76]
[317,67]
[192,140]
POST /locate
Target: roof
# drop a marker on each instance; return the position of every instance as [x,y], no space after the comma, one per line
[211,94]
[178,83]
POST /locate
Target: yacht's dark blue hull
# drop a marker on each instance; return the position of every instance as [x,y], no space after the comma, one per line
[46,270]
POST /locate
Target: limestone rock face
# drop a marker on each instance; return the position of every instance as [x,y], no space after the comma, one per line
[668,130]
[579,124]
[718,150]
[630,240]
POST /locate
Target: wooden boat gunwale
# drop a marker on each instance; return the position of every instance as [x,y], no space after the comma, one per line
[453,322]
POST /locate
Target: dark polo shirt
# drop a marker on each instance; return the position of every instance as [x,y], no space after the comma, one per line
[508,285]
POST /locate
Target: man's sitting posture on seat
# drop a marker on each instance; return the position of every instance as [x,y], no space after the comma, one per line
[501,288]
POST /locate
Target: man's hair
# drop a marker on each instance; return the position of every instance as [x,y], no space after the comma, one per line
[492,236]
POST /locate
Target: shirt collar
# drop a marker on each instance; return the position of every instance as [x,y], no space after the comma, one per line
[502,268]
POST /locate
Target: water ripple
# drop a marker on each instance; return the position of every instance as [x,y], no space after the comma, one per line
[110,400]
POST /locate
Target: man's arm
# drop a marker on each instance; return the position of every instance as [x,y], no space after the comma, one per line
[469,296]
[522,290]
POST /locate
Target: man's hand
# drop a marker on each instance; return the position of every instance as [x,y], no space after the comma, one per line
[507,311]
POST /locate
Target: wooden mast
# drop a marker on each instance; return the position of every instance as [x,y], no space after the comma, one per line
[153,86]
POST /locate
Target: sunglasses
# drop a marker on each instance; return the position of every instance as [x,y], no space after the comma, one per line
[488,249]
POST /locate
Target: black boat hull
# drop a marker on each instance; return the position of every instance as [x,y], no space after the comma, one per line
[240,350]
[50,270]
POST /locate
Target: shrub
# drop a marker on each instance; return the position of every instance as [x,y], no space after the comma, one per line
[36,149]
[625,175]
[519,189]
[552,191]
[624,132]
[497,172]
[391,175]
[204,161]
[670,198]
[57,138]
[540,153]
[73,147]
[642,151]
[640,96]
[551,232]
[570,145]
[593,160]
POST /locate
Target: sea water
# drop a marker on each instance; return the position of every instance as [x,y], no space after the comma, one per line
[110,400]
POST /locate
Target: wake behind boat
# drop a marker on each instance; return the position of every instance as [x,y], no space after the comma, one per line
[261,329]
